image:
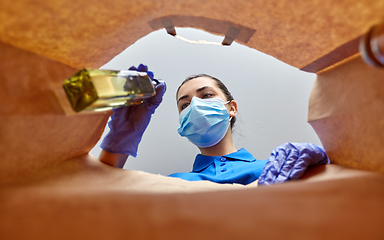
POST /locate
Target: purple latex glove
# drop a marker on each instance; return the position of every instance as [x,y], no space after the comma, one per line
[142,68]
[290,160]
[128,124]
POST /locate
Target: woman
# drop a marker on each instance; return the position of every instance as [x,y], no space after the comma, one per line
[207,113]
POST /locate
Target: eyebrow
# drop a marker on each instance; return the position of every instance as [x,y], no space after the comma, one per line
[200,89]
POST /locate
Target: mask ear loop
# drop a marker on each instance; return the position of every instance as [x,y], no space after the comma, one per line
[230,118]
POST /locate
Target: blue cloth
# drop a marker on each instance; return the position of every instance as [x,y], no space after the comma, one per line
[238,167]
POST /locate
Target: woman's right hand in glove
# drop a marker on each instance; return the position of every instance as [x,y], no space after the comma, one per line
[127,124]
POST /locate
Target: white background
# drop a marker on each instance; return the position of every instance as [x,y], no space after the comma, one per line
[272,97]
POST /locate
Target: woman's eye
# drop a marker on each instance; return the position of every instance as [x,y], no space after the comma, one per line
[207,95]
[184,105]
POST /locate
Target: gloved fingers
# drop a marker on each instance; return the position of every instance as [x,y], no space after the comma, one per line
[150,74]
[322,157]
[316,155]
[278,163]
[155,82]
[298,169]
[161,87]
[265,176]
[289,162]
[273,167]
[132,68]
[288,165]
[308,155]
[142,68]
[153,102]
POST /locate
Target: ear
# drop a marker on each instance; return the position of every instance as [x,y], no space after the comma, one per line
[232,108]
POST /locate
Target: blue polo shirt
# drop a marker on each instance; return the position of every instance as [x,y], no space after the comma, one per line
[237,167]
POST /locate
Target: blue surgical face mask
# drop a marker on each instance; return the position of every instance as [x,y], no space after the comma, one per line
[204,122]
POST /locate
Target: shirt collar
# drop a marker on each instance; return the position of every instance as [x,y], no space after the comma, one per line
[203,161]
[242,155]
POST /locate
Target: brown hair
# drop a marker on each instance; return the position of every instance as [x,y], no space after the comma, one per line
[219,84]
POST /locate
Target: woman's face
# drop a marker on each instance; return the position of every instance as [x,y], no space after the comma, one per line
[201,87]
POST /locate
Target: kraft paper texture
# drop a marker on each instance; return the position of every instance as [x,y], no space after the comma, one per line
[50,188]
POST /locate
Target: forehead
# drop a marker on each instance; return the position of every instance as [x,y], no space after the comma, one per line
[192,85]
